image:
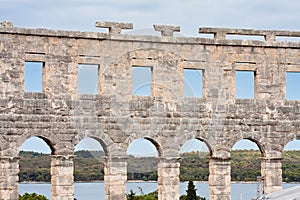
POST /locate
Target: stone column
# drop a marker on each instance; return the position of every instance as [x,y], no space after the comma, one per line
[9,169]
[272,175]
[168,178]
[115,177]
[219,179]
[62,180]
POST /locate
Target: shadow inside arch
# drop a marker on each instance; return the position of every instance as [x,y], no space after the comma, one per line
[38,143]
[49,143]
[156,144]
[91,143]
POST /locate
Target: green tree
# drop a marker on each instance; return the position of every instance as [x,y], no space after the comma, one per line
[32,196]
[191,192]
[150,196]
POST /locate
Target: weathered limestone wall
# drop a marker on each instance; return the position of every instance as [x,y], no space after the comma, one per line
[115,117]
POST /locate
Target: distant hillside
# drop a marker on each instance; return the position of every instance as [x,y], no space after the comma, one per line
[245,166]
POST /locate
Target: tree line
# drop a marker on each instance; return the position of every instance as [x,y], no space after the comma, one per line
[88,166]
[191,194]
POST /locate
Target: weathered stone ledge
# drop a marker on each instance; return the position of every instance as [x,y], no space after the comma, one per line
[158,39]
[269,35]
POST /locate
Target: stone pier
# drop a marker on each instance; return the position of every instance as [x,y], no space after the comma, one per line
[115,177]
[9,178]
[272,175]
[62,168]
[219,179]
[168,178]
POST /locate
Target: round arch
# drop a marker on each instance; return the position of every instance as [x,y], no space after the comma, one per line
[198,135]
[48,141]
[254,140]
[104,140]
[246,165]
[290,161]
[90,166]
[143,163]
[194,161]
[153,141]
[189,142]
[34,163]
[149,139]
[101,142]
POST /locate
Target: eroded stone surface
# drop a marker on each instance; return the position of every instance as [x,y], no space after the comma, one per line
[114,27]
[166,30]
[115,117]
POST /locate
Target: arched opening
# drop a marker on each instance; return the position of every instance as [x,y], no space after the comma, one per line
[291,164]
[246,170]
[194,166]
[34,167]
[89,170]
[142,164]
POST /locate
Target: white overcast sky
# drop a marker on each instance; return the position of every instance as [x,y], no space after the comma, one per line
[189,14]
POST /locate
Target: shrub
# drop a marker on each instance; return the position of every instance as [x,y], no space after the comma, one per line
[32,196]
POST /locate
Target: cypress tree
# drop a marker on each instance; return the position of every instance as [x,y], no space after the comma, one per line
[191,192]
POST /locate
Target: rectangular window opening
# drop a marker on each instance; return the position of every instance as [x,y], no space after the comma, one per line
[141,80]
[245,84]
[206,35]
[287,39]
[193,82]
[292,85]
[245,37]
[88,78]
[33,76]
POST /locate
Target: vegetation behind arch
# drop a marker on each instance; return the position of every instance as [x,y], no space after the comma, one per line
[36,166]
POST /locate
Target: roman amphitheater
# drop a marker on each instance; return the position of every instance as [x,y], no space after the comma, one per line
[115,117]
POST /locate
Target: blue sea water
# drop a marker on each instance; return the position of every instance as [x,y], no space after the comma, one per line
[95,191]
